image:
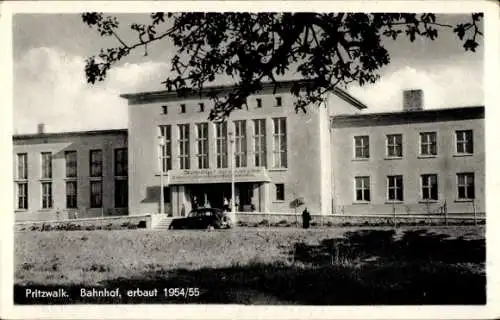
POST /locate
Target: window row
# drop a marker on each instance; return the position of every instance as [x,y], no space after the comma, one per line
[71,164]
[278,102]
[96,194]
[428,187]
[427,144]
[223,141]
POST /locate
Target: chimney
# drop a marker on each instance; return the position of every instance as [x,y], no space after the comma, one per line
[41,128]
[413,100]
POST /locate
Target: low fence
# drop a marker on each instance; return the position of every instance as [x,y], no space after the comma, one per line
[275,218]
[111,222]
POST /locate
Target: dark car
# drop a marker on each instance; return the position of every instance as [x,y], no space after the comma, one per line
[203,218]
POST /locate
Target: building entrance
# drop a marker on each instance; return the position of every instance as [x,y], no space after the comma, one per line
[217,195]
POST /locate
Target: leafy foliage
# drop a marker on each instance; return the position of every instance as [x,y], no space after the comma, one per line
[324,49]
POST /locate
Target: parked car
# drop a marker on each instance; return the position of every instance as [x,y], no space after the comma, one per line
[203,218]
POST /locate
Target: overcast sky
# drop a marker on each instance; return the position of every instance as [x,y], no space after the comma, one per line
[50,87]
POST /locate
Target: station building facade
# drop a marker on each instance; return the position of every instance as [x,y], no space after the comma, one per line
[279,155]
[336,158]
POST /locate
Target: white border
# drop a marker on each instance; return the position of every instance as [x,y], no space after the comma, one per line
[492,310]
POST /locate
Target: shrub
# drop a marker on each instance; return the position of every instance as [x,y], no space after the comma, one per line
[141,224]
[264,222]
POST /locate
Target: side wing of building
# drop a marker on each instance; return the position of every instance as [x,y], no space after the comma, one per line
[414,162]
[69,175]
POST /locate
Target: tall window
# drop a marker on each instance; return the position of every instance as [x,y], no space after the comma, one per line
[464,142]
[395,188]
[95,194]
[202,143]
[22,195]
[260,142]
[202,106]
[121,193]
[46,195]
[121,162]
[429,186]
[71,164]
[280,148]
[183,108]
[240,141]
[362,147]
[95,163]
[166,148]
[280,192]
[71,195]
[362,188]
[221,144]
[428,143]
[22,166]
[465,184]
[184,146]
[46,165]
[394,145]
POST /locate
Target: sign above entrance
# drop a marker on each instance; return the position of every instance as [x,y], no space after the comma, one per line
[217,176]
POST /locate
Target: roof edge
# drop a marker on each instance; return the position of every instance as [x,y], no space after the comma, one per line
[68,133]
[165,94]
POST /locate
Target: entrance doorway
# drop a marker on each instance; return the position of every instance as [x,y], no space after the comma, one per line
[213,195]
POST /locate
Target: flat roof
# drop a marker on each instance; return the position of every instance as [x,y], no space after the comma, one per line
[406,117]
[165,95]
[68,134]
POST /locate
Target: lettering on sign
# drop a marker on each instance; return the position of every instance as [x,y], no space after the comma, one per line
[217,175]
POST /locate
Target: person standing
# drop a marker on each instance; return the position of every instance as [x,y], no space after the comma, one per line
[306,218]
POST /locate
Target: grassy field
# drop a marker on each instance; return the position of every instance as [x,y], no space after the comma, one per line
[437,265]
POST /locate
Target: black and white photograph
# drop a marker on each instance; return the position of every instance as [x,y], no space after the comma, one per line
[264,155]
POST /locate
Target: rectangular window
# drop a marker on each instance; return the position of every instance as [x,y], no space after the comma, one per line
[429,186]
[71,164]
[165,148]
[46,165]
[428,143]
[95,163]
[184,146]
[202,106]
[164,109]
[71,195]
[202,144]
[240,140]
[395,188]
[465,184]
[362,147]
[362,188]
[259,102]
[260,142]
[221,144]
[280,147]
[121,162]
[183,108]
[22,195]
[95,194]
[22,166]
[280,192]
[394,145]
[121,193]
[464,142]
[46,195]
[278,101]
